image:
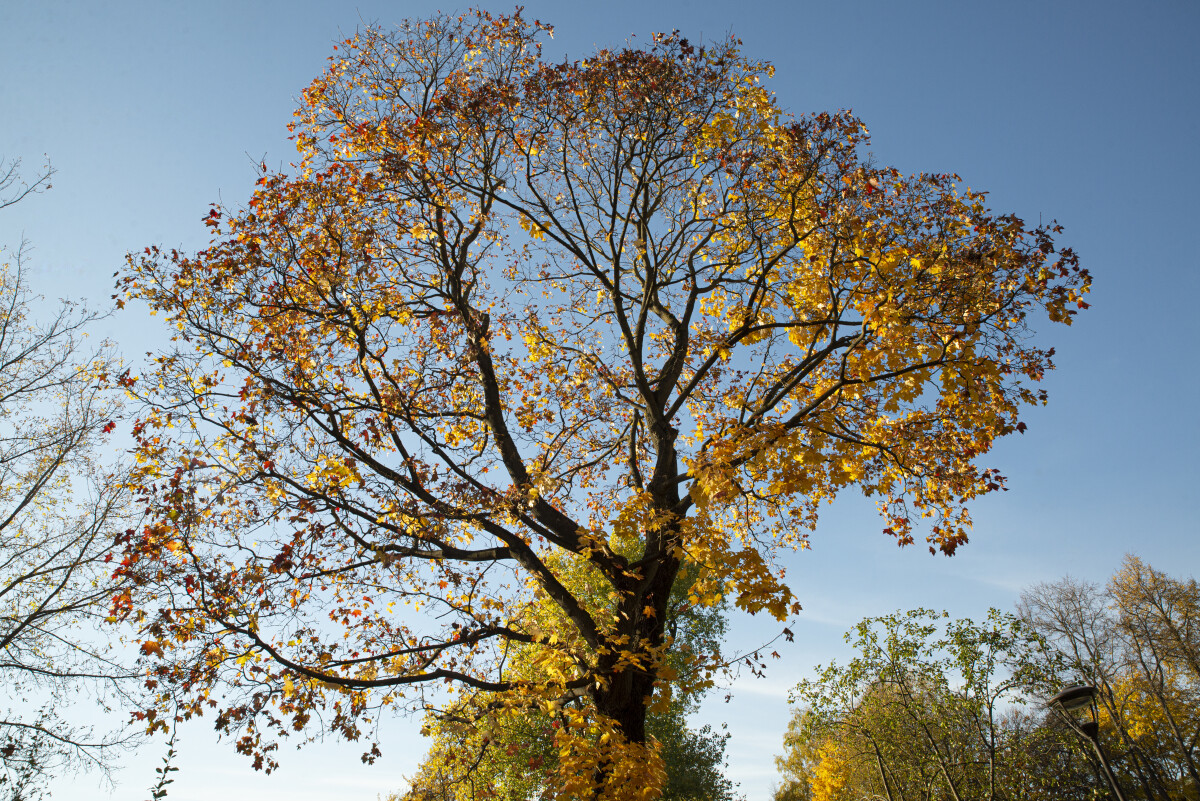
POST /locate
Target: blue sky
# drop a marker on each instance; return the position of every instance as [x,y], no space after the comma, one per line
[1084,112]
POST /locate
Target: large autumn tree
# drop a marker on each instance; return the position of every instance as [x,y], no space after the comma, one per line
[518,341]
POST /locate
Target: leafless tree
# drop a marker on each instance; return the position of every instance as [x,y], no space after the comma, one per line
[58,505]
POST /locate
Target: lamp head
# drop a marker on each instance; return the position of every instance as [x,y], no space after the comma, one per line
[1074,698]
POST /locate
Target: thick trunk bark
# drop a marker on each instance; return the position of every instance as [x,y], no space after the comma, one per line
[629,691]
[625,703]
[645,595]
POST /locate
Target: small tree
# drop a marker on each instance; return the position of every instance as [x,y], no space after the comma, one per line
[58,506]
[1136,640]
[513,320]
[515,756]
[925,710]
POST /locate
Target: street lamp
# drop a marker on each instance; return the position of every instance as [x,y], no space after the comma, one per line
[1070,703]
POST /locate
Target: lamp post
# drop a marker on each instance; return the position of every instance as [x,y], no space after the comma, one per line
[1069,703]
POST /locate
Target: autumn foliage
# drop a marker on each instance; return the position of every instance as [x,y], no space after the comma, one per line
[517,347]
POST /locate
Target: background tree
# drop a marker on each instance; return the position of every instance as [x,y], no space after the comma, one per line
[58,506]
[512,320]
[929,710]
[1136,642]
[810,749]
[514,756]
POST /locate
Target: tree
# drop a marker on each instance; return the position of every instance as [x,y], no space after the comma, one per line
[929,709]
[799,760]
[1160,619]
[57,503]
[1136,640]
[510,319]
[514,756]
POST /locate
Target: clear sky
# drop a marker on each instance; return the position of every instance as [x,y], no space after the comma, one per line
[1082,111]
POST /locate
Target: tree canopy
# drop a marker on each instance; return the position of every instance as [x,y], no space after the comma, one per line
[519,343]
